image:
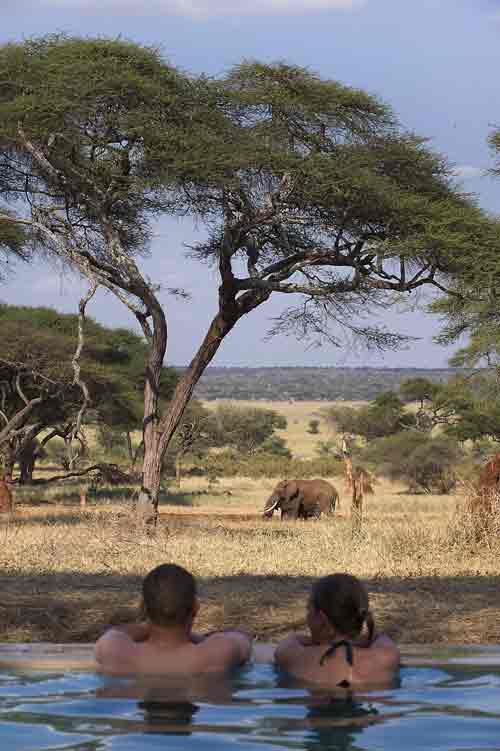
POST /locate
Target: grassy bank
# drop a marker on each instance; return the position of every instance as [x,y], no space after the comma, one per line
[67,572]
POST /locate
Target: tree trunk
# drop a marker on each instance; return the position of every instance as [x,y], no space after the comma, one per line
[157,435]
[9,464]
[130,447]
[156,441]
[27,461]
[178,469]
[147,502]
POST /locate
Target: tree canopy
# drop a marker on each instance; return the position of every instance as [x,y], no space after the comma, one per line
[473,307]
[423,462]
[384,416]
[37,387]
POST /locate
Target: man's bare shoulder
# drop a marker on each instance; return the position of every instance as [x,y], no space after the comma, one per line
[226,648]
[292,650]
[114,645]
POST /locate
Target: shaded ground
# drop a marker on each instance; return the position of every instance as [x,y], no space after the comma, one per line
[66,574]
[419,610]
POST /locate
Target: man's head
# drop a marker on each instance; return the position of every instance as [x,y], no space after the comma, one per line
[169,596]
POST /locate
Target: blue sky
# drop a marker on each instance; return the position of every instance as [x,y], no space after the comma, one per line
[435,61]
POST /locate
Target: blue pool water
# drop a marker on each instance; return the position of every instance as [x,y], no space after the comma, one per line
[433,708]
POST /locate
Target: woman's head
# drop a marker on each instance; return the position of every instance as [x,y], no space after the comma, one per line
[338,604]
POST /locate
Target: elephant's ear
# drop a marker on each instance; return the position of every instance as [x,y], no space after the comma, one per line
[291,491]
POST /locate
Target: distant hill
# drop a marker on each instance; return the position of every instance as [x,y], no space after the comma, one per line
[283,384]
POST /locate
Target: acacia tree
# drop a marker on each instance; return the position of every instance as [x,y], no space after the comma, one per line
[334,204]
[39,398]
[308,188]
[85,127]
[472,310]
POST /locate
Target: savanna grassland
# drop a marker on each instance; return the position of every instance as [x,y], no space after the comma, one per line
[66,571]
[298,415]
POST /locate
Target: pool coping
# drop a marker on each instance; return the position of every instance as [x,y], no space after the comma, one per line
[79,656]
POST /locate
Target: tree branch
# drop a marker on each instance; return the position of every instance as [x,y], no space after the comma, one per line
[77,379]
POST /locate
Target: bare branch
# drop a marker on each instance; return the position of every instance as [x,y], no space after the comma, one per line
[77,379]
[19,390]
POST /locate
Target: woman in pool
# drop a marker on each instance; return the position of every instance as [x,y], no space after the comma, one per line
[342,649]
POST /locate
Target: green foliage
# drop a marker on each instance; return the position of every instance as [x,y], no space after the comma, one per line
[344,419]
[475,404]
[244,428]
[383,417]
[55,452]
[44,341]
[472,308]
[112,442]
[418,389]
[259,464]
[37,347]
[467,407]
[326,448]
[423,462]
[276,446]
[194,435]
[13,241]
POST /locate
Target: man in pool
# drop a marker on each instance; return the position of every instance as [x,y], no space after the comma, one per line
[338,653]
[165,642]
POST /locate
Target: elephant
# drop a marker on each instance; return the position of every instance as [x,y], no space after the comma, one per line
[301,499]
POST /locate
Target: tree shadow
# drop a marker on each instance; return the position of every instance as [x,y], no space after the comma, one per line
[75,606]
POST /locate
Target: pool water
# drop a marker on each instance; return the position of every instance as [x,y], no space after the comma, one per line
[435,707]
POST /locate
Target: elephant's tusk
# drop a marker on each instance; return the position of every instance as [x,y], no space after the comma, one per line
[268,509]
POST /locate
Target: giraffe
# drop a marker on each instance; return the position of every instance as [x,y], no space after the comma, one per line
[359,483]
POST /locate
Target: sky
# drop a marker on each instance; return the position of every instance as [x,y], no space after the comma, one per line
[435,62]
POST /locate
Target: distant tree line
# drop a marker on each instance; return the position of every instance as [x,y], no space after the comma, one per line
[305,383]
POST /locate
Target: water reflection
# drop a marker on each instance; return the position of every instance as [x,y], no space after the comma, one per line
[256,708]
[169,716]
[333,719]
[168,704]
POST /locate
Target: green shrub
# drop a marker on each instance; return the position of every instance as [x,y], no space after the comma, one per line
[276,446]
[55,452]
[231,464]
[326,448]
[423,462]
[313,427]
[384,416]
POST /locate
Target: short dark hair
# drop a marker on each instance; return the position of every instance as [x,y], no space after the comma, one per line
[168,594]
[344,601]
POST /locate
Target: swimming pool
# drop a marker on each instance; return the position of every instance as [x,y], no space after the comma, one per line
[443,703]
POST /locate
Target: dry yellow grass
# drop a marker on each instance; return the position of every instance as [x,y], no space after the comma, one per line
[65,573]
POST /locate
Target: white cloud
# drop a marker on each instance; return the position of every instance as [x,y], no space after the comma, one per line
[205,8]
[467,172]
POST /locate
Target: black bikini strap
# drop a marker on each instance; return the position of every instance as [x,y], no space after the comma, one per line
[331,651]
